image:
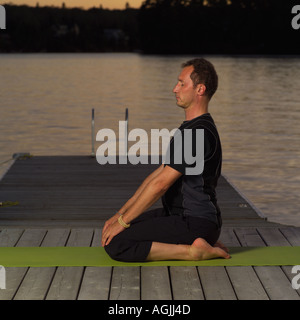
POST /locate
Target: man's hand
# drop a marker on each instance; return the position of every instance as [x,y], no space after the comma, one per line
[110,230]
[110,221]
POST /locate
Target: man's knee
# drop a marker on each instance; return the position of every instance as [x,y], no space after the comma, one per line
[112,250]
[119,249]
[128,251]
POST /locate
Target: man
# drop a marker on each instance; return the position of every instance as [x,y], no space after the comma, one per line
[189,224]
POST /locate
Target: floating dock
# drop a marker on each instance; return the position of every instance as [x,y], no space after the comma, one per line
[65,200]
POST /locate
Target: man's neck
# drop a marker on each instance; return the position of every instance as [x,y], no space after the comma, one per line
[191,113]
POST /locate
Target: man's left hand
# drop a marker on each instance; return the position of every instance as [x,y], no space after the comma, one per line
[111,231]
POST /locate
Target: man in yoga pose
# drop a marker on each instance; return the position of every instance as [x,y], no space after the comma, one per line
[188,226]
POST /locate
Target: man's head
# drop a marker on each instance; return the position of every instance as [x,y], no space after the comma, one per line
[203,73]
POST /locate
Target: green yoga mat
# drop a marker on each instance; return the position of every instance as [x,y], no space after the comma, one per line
[96,256]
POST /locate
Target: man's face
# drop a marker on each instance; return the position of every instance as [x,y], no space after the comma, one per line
[184,90]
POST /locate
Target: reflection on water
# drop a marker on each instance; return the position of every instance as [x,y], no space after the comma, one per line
[46,103]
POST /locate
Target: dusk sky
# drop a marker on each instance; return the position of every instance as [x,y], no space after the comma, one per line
[85,4]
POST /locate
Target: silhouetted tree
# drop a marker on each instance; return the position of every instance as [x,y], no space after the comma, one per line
[52,29]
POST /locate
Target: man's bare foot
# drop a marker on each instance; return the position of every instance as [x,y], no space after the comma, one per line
[201,250]
[219,244]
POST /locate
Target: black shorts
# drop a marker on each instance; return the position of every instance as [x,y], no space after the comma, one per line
[134,244]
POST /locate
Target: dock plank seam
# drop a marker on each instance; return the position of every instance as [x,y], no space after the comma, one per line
[201,285]
[170,283]
[232,286]
[50,283]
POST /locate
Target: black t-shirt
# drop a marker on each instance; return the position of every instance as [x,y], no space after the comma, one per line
[194,192]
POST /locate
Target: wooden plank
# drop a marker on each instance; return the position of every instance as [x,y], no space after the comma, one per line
[244,280]
[155,284]
[97,237]
[50,224]
[125,283]
[66,282]
[228,237]
[216,283]
[31,238]
[247,285]
[185,283]
[95,284]
[275,282]
[293,236]
[37,280]
[15,275]
[96,280]
[249,237]
[74,194]
[56,238]
[248,223]
[9,237]
[273,237]
[80,237]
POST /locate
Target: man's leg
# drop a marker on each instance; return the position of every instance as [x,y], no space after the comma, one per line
[165,238]
[198,250]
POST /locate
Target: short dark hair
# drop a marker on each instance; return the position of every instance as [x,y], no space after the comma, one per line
[204,72]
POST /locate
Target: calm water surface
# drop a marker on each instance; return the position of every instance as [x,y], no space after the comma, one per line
[46,103]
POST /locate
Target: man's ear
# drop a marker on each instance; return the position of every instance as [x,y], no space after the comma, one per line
[201,88]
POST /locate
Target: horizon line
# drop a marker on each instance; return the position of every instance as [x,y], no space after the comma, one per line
[67,7]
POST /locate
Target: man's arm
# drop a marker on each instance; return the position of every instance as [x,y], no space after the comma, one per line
[152,192]
[145,198]
[141,188]
[131,201]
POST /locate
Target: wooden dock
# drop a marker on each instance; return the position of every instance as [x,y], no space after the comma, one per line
[64,201]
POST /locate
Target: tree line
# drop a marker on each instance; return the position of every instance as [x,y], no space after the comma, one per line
[53,29]
[157,27]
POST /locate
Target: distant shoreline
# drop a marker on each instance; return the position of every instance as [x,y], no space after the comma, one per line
[158,27]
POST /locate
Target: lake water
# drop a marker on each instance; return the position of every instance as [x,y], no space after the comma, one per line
[46,102]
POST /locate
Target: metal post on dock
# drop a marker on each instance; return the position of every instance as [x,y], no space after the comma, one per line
[93,133]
